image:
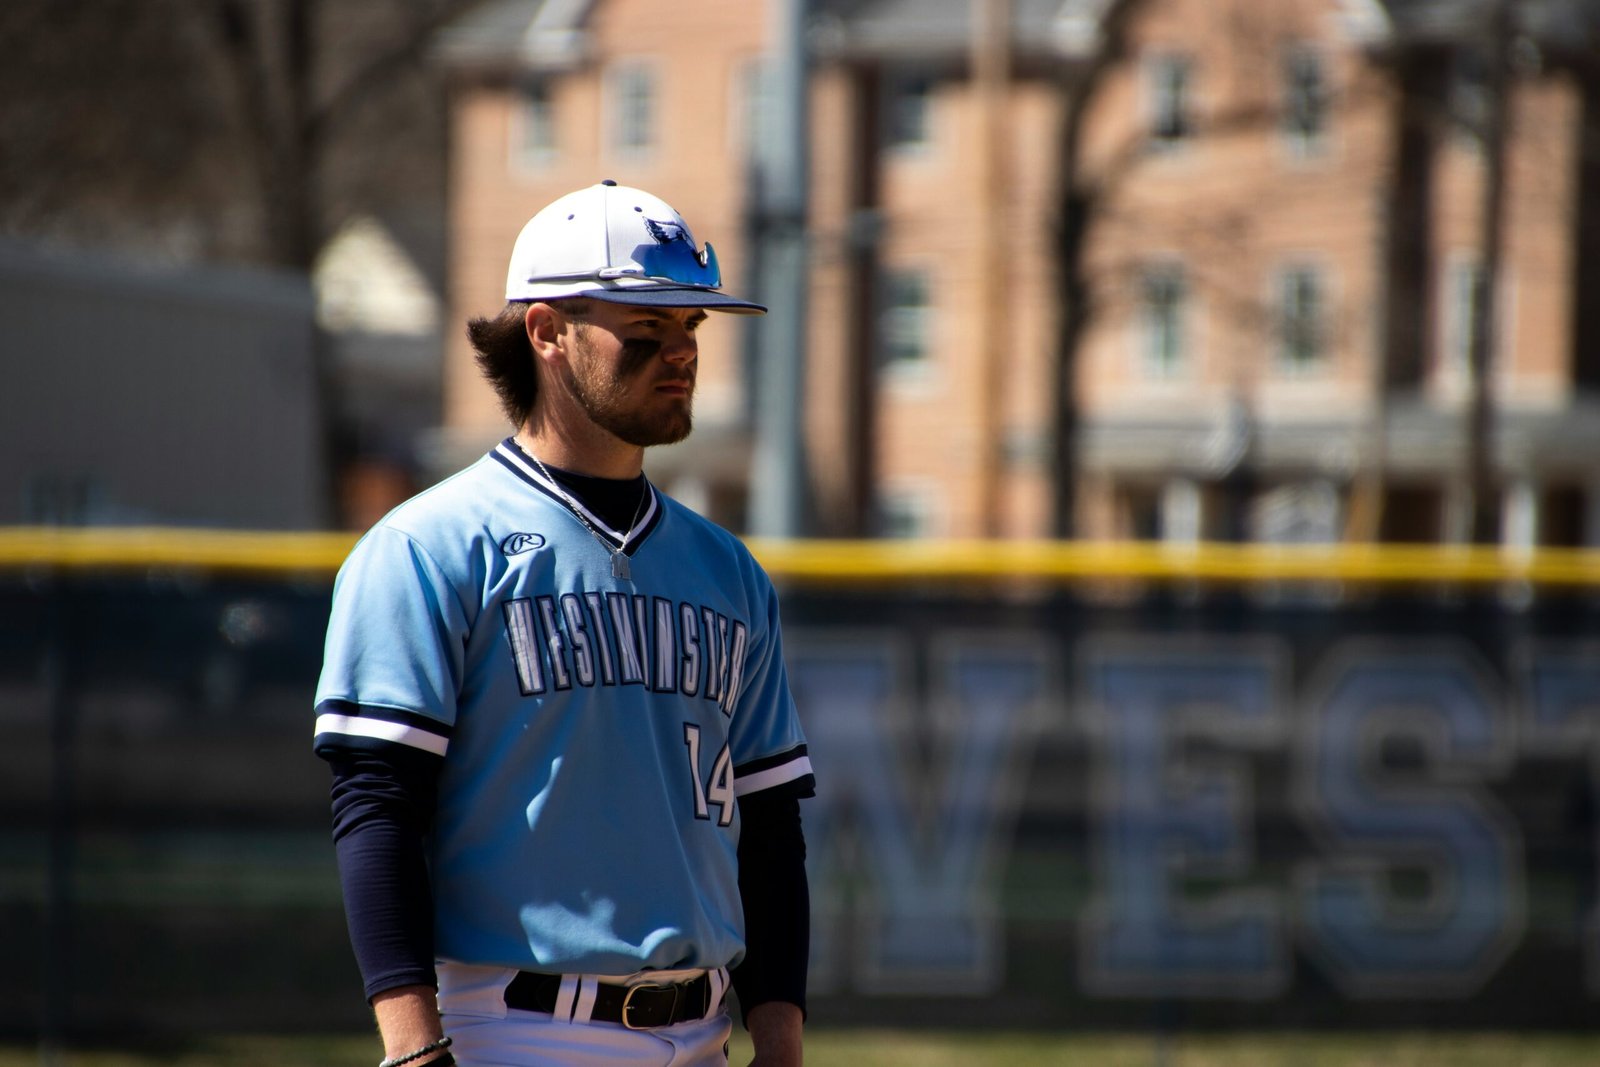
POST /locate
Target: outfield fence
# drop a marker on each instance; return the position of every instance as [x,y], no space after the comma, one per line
[1061,785]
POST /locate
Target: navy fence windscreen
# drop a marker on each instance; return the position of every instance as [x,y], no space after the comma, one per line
[1183,807]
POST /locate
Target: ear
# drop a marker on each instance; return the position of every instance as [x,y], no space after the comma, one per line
[547,331]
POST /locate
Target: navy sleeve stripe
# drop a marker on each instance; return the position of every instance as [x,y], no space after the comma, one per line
[798,788]
[341,724]
[333,746]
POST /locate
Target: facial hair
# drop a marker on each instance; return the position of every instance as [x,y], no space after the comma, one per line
[602,392]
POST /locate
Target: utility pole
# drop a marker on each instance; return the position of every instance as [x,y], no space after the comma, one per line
[778,468]
[1481,476]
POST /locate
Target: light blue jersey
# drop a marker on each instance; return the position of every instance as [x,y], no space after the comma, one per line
[595,731]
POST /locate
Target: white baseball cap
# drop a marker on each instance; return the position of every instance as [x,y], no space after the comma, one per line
[611,242]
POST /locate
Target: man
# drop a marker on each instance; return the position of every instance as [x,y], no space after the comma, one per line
[566,760]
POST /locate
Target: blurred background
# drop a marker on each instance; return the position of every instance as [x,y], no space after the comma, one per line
[1176,434]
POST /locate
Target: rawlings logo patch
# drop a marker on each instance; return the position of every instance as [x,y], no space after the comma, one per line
[518,543]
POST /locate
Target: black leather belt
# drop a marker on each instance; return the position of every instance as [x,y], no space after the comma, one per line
[638,1007]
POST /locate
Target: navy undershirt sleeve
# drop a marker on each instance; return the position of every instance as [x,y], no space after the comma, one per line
[777,901]
[382,809]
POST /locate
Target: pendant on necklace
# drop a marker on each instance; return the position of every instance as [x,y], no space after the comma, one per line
[619,566]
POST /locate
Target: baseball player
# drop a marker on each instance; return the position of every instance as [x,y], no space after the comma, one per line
[567,766]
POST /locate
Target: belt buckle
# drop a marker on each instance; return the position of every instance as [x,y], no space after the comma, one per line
[627,1004]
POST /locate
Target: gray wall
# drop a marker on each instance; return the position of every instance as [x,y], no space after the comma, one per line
[133,395]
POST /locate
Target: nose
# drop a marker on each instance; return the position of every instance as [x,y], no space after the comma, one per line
[678,345]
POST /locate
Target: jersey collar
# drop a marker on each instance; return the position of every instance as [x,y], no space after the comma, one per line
[511,456]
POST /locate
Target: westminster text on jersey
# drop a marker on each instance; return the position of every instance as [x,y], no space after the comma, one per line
[611,638]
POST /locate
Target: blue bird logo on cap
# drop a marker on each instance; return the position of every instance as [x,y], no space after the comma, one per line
[667,232]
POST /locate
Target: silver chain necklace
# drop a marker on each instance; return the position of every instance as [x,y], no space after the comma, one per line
[619,555]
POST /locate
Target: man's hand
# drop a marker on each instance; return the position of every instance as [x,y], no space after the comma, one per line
[775,1029]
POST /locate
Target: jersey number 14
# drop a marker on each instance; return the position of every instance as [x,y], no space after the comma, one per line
[718,789]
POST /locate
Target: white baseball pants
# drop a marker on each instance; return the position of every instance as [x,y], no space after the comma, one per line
[488,1034]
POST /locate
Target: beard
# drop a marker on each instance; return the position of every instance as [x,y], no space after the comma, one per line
[602,392]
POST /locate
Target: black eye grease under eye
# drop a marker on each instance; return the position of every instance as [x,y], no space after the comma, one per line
[636,352]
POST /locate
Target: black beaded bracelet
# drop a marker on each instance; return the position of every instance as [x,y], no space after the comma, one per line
[432,1046]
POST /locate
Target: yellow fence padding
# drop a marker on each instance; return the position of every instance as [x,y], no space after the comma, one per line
[860,562]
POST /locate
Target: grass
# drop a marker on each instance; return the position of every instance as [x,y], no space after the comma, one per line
[898,1048]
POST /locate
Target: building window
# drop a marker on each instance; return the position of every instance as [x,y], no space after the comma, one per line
[1301,318]
[1170,81]
[908,112]
[1412,514]
[533,127]
[632,109]
[1561,516]
[1470,93]
[904,513]
[1305,106]
[751,97]
[1174,511]
[905,323]
[1163,300]
[1463,279]
[1139,513]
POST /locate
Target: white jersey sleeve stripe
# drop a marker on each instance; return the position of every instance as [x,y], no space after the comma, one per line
[379,729]
[771,776]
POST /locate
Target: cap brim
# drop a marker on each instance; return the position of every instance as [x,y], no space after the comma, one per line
[676,298]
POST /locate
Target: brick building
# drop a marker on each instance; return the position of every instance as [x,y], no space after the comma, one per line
[1156,268]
